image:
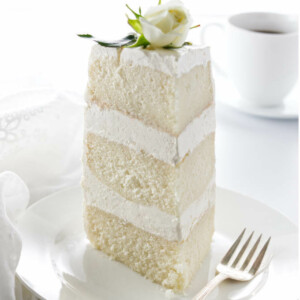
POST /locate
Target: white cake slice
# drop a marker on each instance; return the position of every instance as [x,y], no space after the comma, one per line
[149,162]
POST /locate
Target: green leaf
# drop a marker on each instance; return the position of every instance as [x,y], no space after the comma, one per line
[140,11]
[136,25]
[126,41]
[86,35]
[159,2]
[142,41]
[135,13]
[173,47]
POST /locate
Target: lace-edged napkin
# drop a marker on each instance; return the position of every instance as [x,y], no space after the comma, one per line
[41,139]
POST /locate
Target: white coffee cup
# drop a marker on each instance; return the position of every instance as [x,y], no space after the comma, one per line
[262,55]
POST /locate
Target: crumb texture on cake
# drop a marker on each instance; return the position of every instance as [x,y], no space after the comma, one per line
[158,99]
[148,161]
[148,218]
[171,264]
[141,178]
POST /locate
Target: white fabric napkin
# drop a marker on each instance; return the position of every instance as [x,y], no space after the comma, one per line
[14,198]
[40,142]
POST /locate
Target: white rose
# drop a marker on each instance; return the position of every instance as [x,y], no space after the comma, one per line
[166,24]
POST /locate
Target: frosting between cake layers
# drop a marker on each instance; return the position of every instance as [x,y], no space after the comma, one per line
[122,129]
[148,218]
[175,62]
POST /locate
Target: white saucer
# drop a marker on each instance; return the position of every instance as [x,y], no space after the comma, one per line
[227,95]
[57,261]
[289,110]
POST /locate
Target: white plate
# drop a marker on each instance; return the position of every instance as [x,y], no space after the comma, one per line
[57,261]
[227,95]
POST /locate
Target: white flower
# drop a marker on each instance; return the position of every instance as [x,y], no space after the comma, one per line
[166,24]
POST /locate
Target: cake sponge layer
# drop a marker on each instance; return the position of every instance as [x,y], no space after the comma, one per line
[141,178]
[169,263]
[148,218]
[158,99]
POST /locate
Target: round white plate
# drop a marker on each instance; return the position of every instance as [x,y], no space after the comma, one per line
[227,95]
[57,261]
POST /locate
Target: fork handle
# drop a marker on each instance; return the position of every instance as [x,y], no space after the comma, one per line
[210,286]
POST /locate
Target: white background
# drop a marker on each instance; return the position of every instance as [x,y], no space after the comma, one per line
[39,48]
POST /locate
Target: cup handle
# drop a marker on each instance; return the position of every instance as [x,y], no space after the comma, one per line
[203,35]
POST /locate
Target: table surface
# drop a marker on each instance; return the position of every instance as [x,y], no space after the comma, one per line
[259,158]
[255,156]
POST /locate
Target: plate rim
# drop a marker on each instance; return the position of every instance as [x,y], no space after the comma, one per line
[75,187]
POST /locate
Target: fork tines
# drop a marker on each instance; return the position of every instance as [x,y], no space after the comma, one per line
[256,264]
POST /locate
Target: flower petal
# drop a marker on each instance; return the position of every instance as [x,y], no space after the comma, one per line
[182,32]
[155,18]
[155,36]
[166,24]
[164,7]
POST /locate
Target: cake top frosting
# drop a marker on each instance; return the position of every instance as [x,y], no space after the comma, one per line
[173,62]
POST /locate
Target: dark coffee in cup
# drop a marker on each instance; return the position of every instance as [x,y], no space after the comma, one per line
[268,31]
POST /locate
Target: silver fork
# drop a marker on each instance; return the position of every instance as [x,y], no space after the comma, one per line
[235,268]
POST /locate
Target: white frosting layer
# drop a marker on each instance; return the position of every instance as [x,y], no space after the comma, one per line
[148,218]
[134,134]
[172,62]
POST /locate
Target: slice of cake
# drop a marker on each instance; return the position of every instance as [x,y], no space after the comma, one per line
[149,162]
